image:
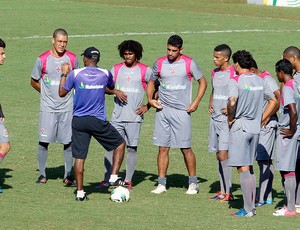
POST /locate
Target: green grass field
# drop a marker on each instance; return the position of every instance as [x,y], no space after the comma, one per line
[27,27]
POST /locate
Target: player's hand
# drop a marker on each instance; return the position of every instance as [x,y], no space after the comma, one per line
[286,133]
[65,68]
[2,119]
[211,109]
[121,96]
[155,104]
[192,108]
[224,111]
[265,122]
[230,123]
[141,110]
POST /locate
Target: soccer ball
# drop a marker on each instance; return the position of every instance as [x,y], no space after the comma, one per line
[120,194]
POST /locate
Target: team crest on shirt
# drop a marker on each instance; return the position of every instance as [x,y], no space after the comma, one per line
[172,72]
[5,133]
[58,69]
[43,132]
[128,78]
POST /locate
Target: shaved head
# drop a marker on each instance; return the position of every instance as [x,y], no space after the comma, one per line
[292,51]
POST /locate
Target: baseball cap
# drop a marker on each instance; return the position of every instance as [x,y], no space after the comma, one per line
[91,52]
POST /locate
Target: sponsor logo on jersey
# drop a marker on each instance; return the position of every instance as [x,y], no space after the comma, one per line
[253,88]
[220,97]
[47,80]
[83,86]
[130,89]
[172,86]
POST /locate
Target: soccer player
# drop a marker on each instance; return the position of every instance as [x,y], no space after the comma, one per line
[89,115]
[292,53]
[174,106]
[245,109]
[130,77]
[55,113]
[287,136]
[265,148]
[219,130]
[4,138]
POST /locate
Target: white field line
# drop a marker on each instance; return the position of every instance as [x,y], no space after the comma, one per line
[160,33]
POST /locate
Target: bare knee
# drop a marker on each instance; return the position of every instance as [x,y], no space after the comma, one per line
[4,148]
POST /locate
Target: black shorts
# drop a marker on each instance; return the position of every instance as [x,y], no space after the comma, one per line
[83,128]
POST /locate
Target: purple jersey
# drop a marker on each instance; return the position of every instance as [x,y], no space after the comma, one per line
[89,84]
[220,80]
[175,78]
[47,70]
[133,82]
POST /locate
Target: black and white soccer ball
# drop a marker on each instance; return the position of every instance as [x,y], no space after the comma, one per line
[120,194]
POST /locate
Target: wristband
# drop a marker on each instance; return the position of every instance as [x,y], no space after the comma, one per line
[63,75]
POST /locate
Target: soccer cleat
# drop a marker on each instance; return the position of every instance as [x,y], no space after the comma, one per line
[85,198]
[1,191]
[259,204]
[218,196]
[41,180]
[128,184]
[193,189]
[118,182]
[242,212]
[69,181]
[227,198]
[159,189]
[297,208]
[284,212]
[103,185]
[269,201]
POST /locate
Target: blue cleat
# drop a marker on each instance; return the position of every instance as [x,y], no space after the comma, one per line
[242,212]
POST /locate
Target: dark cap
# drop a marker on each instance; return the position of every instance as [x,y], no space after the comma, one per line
[92,52]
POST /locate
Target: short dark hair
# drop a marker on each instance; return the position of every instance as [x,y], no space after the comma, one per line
[2,43]
[175,40]
[133,46]
[244,58]
[59,31]
[293,51]
[253,64]
[285,66]
[224,48]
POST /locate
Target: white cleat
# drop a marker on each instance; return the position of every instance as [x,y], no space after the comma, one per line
[193,189]
[159,189]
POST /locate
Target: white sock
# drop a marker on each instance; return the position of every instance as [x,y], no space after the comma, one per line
[113,178]
[80,193]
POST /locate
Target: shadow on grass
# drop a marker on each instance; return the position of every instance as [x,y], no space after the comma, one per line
[174,180]
[55,173]
[177,180]
[3,175]
[238,199]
